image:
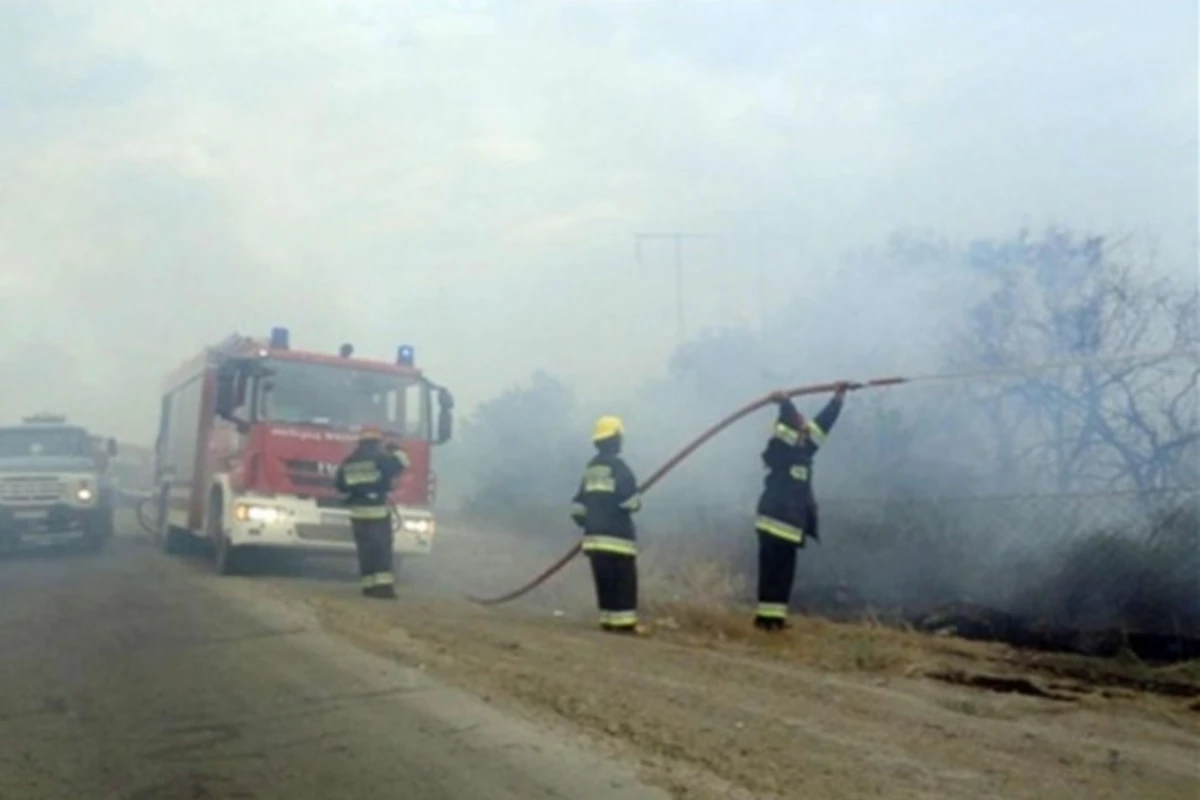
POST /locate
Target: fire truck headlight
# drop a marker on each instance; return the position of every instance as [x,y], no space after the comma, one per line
[263,514]
[418,525]
[83,494]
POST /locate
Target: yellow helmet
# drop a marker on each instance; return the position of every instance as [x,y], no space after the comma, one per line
[607,427]
[370,432]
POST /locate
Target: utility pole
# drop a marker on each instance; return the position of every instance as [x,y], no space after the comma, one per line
[677,239]
[766,245]
[760,283]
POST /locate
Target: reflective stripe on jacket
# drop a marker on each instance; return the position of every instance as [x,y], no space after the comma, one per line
[787,507]
[598,543]
[366,477]
[605,503]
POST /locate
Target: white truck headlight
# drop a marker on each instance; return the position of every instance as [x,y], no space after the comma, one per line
[252,513]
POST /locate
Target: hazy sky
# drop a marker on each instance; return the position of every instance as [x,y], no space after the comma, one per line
[468,176]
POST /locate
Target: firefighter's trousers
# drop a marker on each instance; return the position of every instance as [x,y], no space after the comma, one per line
[616,589]
[373,541]
[776,576]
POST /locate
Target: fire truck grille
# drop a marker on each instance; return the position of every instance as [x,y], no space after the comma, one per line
[307,475]
[324,533]
[30,490]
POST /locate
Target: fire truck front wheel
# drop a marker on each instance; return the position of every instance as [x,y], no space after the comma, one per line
[229,560]
[174,541]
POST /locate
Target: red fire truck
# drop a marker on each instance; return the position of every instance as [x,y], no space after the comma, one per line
[251,432]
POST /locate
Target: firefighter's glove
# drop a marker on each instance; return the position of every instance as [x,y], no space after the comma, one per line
[778,397]
[843,387]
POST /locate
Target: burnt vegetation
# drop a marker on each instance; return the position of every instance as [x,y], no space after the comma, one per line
[1056,508]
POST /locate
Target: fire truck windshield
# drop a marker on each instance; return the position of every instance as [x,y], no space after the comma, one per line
[324,394]
[54,442]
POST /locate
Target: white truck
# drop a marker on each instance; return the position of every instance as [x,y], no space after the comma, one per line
[54,484]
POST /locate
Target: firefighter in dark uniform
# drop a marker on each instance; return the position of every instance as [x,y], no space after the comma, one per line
[787,509]
[603,508]
[365,480]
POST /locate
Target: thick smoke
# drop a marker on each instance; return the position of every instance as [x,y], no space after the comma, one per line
[1067,492]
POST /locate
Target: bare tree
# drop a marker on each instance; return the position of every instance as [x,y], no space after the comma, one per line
[1118,425]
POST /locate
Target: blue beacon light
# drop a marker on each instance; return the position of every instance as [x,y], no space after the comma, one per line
[404,355]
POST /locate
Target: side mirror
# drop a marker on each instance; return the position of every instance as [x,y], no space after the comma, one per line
[445,421]
[112,447]
[227,395]
[445,426]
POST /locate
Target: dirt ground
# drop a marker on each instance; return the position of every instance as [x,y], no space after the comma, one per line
[712,710]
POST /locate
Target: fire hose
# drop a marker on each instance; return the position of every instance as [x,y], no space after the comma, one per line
[676,460]
[141,512]
[143,503]
[820,388]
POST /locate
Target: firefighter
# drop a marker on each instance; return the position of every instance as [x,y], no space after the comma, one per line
[603,508]
[365,479]
[787,509]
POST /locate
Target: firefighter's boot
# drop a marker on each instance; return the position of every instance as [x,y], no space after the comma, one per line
[771,625]
[627,630]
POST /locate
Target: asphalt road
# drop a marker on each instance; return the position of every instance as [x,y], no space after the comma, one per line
[132,675]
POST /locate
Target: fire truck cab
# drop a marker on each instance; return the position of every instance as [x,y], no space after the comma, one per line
[251,433]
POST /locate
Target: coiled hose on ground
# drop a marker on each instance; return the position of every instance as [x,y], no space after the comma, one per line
[676,460]
[141,511]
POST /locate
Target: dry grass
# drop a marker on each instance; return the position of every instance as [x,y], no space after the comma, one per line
[701,603]
[817,643]
[694,595]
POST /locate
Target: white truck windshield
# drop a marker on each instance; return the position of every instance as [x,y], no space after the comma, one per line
[322,394]
[51,442]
